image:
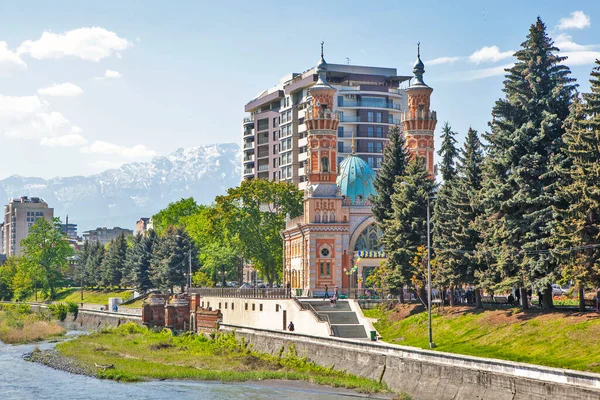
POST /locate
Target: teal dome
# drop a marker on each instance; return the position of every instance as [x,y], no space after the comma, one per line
[356,179]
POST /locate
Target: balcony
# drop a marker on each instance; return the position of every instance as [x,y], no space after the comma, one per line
[248,171]
[262,141]
[264,167]
[355,119]
[249,120]
[248,145]
[248,132]
[249,157]
[369,104]
[263,154]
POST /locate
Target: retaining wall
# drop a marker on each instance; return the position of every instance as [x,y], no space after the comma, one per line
[91,319]
[426,374]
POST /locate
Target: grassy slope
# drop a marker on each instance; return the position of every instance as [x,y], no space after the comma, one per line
[89,296]
[21,327]
[137,354]
[560,339]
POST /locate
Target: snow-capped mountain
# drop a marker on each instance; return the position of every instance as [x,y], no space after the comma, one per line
[119,197]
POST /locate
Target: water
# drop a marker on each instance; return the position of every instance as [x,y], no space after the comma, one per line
[20,379]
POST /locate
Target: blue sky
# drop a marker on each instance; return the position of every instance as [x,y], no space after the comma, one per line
[88,86]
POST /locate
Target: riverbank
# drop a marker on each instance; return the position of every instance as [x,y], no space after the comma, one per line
[19,325]
[561,339]
[132,353]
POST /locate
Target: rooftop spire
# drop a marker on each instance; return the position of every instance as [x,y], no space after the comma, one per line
[419,67]
[322,43]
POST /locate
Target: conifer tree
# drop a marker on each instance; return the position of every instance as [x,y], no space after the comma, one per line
[395,159]
[113,263]
[526,132]
[93,265]
[170,259]
[82,259]
[444,220]
[407,229]
[138,261]
[578,220]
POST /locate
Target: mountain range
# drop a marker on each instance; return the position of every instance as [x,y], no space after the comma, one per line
[119,197]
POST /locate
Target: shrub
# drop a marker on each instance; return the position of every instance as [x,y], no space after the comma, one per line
[59,311]
[72,307]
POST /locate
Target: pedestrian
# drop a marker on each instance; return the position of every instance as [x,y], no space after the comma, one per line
[291,327]
[326,292]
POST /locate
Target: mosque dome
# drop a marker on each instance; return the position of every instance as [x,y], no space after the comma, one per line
[355,179]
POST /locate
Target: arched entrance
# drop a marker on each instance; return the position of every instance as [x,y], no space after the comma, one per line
[365,244]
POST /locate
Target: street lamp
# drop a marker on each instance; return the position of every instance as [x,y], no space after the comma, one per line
[430,332]
[190,263]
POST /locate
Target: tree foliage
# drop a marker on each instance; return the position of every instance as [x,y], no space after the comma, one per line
[173,214]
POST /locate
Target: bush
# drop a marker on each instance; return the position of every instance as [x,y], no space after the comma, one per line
[59,311]
[72,307]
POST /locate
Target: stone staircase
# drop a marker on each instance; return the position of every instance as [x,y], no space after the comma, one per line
[344,322]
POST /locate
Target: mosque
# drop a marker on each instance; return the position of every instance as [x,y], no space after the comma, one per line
[336,242]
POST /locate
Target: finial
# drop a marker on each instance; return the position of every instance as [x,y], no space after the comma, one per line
[352,142]
[322,43]
[418,49]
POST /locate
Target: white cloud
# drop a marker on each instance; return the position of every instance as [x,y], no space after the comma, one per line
[442,60]
[62,90]
[29,117]
[90,44]
[489,54]
[580,57]
[577,20]
[71,140]
[101,147]
[476,74]
[10,60]
[112,74]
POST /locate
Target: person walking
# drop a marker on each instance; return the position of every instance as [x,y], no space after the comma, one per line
[291,327]
[326,292]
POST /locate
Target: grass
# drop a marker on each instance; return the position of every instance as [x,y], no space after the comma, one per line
[555,339]
[139,354]
[19,325]
[89,296]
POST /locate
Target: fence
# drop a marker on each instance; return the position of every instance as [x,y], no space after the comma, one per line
[251,293]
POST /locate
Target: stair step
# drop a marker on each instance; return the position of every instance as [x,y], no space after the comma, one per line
[341,317]
[324,305]
[349,331]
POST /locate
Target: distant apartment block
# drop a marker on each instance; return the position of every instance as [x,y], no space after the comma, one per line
[370,100]
[70,230]
[2,252]
[143,225]
[19,215]
[105,235]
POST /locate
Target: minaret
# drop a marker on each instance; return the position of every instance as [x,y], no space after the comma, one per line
[419,121]
[322,124]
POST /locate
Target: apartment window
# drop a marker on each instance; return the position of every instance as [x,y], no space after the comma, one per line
[379,131]
[275,135]
[276,307]
[390,119]
[370,147]
[379,117]
[260,307]
[370,131]
[275,121]
[370,116]
[253,307]
[340,147]
[379,161]
[219,306]
[370,161]
[340,159]
[226,306]
[28,213]
[378,147]
[340,101]
[340,131]
[246,306]
[263,124]
[275,150]
[232,306]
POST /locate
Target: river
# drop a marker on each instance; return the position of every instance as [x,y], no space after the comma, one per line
[20,379]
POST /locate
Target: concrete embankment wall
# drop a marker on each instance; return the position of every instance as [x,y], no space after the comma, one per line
[425,374]
[93,319]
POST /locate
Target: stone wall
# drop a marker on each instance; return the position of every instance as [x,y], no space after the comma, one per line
[91,319]
[426,374]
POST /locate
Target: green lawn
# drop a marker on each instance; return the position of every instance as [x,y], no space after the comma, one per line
[138,354]
[558,339]
[89,296]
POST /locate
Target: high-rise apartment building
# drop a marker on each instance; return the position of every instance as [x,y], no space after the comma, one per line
[105,235]
[368,100]
[19,215]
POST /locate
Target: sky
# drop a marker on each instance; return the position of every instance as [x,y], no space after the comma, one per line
[86,86]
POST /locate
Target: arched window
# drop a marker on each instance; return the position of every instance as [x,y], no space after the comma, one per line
[369,239]
[332,217]
[318,217]
[325,217]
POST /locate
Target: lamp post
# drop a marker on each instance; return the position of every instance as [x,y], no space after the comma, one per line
[189,263]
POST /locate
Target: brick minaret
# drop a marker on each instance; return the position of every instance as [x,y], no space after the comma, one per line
[419,121]
[322,124]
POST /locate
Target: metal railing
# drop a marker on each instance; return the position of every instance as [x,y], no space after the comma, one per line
[319,317]
[251,293]
[362,103]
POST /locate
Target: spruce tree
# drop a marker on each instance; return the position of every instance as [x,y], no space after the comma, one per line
[407,229]
[139,257]
[395,158]
[113,263]
[578,218]
[448,152]
[444,220]
[170,259]
[518,193]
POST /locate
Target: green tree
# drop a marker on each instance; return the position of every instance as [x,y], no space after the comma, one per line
[173,214]
[93,264]
[518,192]
[407,229]
[395,159]
[170,259]
[255,213]
[8,270]
[139,257]
[82,258]
[578,218]
[113,264]
[444,212]
[45,254]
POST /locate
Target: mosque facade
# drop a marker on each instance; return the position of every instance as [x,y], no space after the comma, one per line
[336,242]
